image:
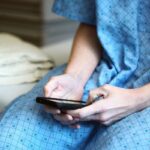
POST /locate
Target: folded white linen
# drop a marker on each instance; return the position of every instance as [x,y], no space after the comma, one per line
[21,52]
[5,37]
[23,68]
[26,78]
[21,62]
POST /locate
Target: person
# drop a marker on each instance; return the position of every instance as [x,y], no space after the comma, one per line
[110,57]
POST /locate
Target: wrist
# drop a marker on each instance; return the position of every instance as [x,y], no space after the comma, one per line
[76,77]
[145,94]
[78,73]
[142,97]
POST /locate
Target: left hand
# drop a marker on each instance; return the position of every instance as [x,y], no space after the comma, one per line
[117,104]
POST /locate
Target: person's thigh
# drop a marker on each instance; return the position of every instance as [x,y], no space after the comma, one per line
[131,133]
[26,126]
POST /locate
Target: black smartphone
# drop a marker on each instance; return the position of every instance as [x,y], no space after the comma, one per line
[63,104]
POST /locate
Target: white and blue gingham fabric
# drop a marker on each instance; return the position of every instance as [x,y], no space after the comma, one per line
[123,28]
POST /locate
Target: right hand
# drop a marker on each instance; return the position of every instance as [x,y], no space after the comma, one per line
[63,86]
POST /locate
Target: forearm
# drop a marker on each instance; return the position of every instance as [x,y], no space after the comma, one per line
[85,55]
[144,96]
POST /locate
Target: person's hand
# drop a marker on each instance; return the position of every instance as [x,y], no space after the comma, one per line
[116,104]
[63,86]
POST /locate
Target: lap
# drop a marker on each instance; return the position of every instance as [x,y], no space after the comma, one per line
[25,126]
[132,132]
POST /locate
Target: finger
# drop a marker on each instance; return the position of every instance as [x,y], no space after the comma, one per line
[70,122]
[75,126]
[119,116]
[65,123]
[101,117]
[105,116]
[89,110]
[63,117]
[95,117]
[109,122]
[52,110]
[50,87]
[116,116]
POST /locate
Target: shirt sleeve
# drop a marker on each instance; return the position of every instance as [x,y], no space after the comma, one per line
[78,10]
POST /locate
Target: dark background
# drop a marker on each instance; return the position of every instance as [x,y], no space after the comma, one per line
[33,21]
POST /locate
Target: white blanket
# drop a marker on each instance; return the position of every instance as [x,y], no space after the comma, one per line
[20,61]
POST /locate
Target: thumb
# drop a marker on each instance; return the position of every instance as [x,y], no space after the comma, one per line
[97,94]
